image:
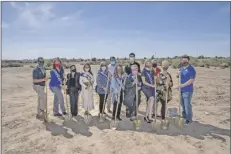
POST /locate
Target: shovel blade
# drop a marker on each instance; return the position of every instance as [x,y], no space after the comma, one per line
[165,124]
[181,123]
[137,124]
[87,119]
[113,125]
[156,125]
[102,118]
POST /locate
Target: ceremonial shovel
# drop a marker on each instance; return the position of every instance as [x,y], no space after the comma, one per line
[87,116]
[179,120]
[166,120]
[136,121]
[114,123]
[68,117]
[102,115]
[156,124]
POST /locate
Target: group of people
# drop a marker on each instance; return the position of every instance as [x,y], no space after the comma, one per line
[115,85]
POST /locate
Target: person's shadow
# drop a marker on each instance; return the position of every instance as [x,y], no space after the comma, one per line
[56,129]
[195,129]
[78,126]
[198,131]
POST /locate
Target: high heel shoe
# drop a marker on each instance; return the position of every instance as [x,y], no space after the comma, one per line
[148,120]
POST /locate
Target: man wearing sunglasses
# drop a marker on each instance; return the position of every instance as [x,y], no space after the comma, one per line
[39,81]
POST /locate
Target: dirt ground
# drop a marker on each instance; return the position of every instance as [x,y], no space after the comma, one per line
[22,133]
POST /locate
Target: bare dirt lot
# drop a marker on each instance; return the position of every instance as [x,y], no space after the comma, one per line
[22,133]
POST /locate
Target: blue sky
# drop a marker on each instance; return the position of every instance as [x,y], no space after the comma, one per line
[76,29]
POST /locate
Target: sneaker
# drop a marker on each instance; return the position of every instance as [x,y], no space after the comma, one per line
[64,113]
[188,122]
[57,115]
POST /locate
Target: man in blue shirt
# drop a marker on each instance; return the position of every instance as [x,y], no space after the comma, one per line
[39,79]
[188,75]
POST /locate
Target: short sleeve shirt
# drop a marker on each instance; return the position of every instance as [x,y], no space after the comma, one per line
[38,74]
[187,74]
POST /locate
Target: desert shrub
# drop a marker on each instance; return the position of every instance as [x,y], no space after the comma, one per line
[48,68]
[176,64]
[66,65]
[48,63]
[224,65]
[5,65]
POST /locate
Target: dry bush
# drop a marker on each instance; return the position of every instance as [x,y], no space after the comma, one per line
[224,65]
[176,64]
[5,65]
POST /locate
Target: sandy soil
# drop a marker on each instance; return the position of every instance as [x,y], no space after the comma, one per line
[22,133]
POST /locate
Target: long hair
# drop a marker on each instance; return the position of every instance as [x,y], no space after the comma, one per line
[57,59]
[147,61]
[116,70]
[87,64]
[103,63]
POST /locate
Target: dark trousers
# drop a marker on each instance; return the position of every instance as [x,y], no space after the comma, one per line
[101,101]
[74,95]
[163,106]
[119,106]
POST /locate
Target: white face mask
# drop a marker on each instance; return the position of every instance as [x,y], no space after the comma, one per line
[104,68]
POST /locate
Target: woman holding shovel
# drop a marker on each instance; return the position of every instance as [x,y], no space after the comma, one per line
[116,89]
[164,84]
[87,81]
[148,88]
[130,92]
[73,89]
[102,85]
[56,87]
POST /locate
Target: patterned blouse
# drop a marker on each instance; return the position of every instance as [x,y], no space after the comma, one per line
[101,82]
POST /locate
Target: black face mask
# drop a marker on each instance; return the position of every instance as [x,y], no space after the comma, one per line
[154,65]
[185,63]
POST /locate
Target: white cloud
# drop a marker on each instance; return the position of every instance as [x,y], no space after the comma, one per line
[33,15]
[42,17]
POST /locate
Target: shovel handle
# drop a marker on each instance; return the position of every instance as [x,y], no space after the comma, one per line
[136,97]
[106,93]
[179,82]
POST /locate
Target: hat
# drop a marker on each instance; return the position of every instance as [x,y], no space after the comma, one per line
[132,55]
[185,56]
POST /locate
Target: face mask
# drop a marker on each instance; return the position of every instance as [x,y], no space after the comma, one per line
[113,62]
[165,68]
[185,63]
[57,65]
[103,68]
[132,59]
[87,69]
[154,65]
[41,64]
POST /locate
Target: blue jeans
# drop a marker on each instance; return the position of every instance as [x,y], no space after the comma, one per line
[58,100]
[186,105]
